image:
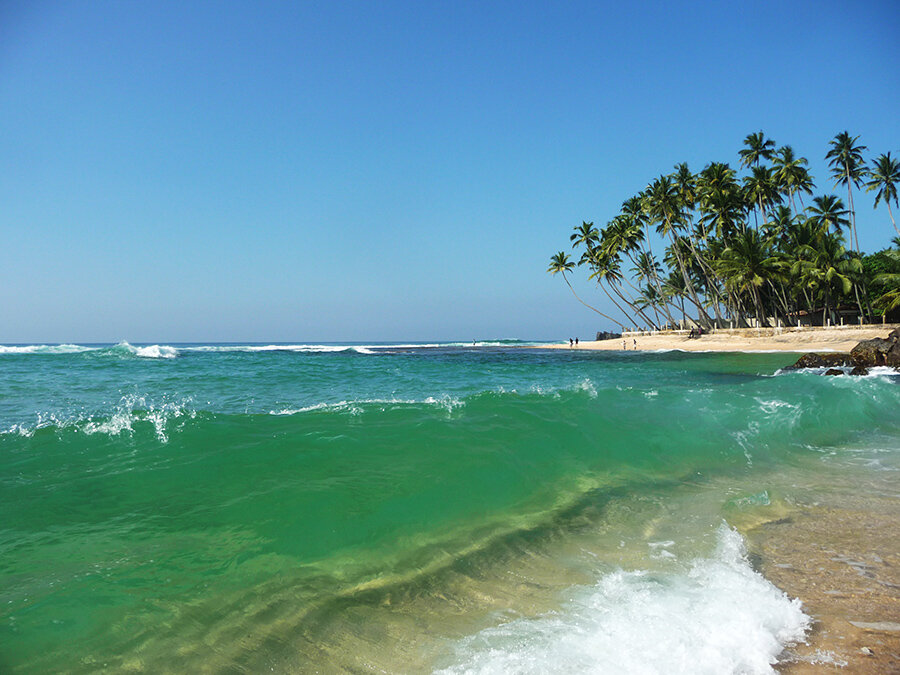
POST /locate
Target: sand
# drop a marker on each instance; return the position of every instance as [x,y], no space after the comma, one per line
[843,561]
[837,339]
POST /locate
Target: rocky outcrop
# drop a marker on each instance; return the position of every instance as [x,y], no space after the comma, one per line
[878,351]
[606,335]
[867,354]
[817,360]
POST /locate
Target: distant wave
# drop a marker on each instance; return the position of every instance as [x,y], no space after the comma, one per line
[148,352]
[121,349]
[303,348]
[45,349]
[157,351]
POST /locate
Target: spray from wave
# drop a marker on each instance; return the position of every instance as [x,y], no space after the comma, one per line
[717,616]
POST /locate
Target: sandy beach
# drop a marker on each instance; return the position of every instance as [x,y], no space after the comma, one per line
[837,339]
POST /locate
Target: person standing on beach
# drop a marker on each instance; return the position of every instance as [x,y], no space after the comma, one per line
[576,342]
[635,344]
[623,345]
[570,343]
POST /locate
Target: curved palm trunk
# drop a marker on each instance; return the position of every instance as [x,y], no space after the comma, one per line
[852,211]
[891,214]
[704,267]
[606,316]
[656,283]
[637,310]
[687,282]
[618,306]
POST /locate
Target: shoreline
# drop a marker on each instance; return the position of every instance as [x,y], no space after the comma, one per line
[835,339]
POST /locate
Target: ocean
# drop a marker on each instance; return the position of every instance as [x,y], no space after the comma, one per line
[447,507]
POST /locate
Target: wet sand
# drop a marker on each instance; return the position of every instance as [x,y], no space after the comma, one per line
[843,561]
[838,339]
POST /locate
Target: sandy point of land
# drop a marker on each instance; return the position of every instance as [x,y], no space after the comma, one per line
[836,339]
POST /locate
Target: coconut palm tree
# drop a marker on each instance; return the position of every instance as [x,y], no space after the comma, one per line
[746,265]
[831,270]
[758,147]
[761,189]
[847,168]
[560,263]
[884,177]
[828,213]
[791,173]
[663,204]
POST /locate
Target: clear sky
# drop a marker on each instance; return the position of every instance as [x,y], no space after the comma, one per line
[192,171]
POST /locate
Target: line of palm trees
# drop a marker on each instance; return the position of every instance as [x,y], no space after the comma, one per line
[741,250]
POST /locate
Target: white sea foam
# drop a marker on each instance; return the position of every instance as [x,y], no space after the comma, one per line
[449,403]
[874,372]
[129,411]
[157,352]
[45,349]
[132,409]
[716,616]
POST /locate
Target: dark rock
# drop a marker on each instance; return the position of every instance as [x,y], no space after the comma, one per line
[816,360]
[878,351]
[834,371]
[859,370]
[606,335]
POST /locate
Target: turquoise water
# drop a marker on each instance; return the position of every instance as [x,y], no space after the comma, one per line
[222,508]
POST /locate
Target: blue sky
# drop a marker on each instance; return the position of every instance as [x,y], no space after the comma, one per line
[384,171]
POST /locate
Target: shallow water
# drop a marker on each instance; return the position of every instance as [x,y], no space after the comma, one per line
[239,507]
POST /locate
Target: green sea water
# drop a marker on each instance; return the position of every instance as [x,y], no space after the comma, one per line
[301,508]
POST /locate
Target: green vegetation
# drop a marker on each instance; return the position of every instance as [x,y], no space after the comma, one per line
[745,250]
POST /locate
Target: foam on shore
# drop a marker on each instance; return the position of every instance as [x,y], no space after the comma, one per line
[717,616]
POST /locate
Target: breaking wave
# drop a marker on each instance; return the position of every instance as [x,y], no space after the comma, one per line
[717,616]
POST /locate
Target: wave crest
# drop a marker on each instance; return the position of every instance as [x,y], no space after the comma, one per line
[718,616]
[129,411]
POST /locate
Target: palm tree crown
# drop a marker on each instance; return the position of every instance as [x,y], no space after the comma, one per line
[758,147]
[884,177]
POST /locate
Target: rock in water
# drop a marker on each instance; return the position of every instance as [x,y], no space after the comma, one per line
[814,360]
[878,351]
[834,371]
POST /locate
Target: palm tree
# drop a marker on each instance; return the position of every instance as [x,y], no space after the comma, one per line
[561,263]
[761,189]
[746,265]
[847,168]
[663,204]
[832,270]
[758,147]
[884,176]
[791,173]
[585,234]
[828,213]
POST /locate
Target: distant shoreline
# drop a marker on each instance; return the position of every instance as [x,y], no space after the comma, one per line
[836,339]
